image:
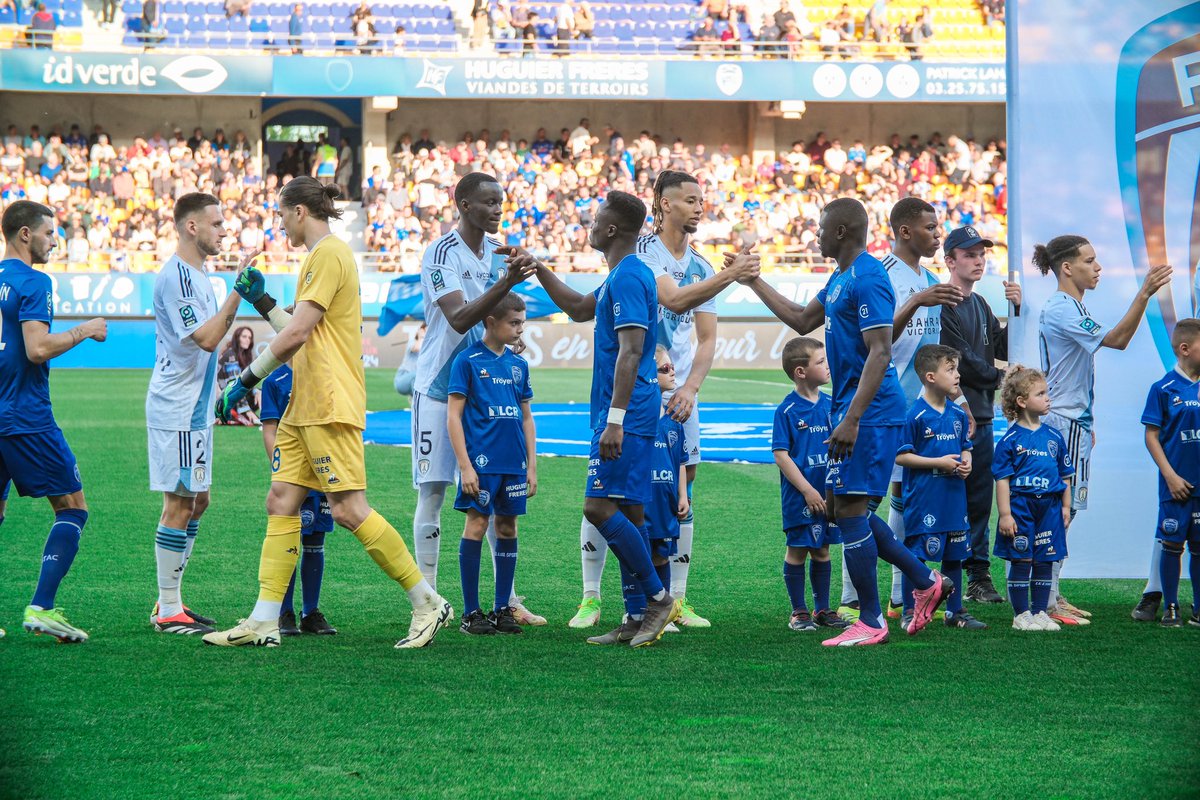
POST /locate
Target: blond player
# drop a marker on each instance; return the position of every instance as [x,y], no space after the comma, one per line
[319,443]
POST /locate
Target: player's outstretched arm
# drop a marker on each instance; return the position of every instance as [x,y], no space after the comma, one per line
[579,307]
[251,286]
[463,316]
[1122,333]
[801,319]
[41,345]
[281,349]
[740,266]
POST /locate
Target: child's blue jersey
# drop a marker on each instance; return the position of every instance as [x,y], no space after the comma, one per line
[857,300]
[802,429]
[1036,462]
[25,295]
[627,298]
[1173,406]
[494,386]
[666,473]
[935,501]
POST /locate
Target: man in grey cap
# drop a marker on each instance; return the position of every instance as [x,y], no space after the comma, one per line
[973,330]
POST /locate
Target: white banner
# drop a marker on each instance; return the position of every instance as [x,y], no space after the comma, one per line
[1104,137]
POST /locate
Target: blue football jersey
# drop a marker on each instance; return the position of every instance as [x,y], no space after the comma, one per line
[494,386]
[26,295]
[666,470]
[1036,462]
[1173,407]
[627,298]
[276,392]
[860,299]
[935,501]
[802,428]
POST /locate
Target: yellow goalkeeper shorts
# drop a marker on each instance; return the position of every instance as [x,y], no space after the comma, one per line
[328,458]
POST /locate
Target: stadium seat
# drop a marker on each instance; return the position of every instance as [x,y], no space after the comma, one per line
[7,17]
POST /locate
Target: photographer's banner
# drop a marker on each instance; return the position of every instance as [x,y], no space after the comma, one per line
[1104,137]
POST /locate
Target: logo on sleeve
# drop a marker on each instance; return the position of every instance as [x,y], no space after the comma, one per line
[188,315]
[1089,325]
[308,278]
[50,303]
[863,311]
[616,309]
[439,282]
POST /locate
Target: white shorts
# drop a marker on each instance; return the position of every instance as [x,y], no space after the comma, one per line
[432,456]
[1079,446]
[691,436]
[180,461]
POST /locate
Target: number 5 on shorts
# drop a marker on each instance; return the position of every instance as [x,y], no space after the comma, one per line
[426,446]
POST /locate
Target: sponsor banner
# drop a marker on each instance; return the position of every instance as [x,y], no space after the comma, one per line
[140,73]
[1110,95]
[131,295]
[618,78]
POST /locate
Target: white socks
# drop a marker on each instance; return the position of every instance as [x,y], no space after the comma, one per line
[593,550]
[848,594]
[682,560]
[266,610]
[1054,591]
[170,546]
[1154,583]
[427,529]
[422,596]
[896,523]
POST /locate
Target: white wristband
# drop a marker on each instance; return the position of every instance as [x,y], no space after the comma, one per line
[616,416]
[265,364]
[278,318]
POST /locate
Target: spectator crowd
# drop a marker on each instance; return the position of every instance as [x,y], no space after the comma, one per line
[114,201]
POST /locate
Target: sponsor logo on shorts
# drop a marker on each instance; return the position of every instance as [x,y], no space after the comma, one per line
[1170,525]
[199,475]
[333,480]
[514,490]
[597,485]
[485,497]
[307,518]
[933,546]
[1020,543]
[423,466]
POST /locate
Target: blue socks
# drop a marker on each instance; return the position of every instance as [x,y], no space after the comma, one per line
[1170,567]
[664,573]
[1039,590]
[1193,571]
[631,592]
[506,570]
[820,572]
[468,571]
[893,551]
[953,570]
[1018,586]
[793,579]
[861,554]
[312,570]
[61,546]
[632,551]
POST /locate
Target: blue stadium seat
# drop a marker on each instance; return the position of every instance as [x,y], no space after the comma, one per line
[194,9]
[279,9]
[175,26]
[239,24]
[173,7]
[279,25]
[7,17]
[217,25]
[71,19]
[214,7]
[195,39]
[320,25]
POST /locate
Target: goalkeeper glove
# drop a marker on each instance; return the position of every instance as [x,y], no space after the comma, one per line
[235,392]
[251,285]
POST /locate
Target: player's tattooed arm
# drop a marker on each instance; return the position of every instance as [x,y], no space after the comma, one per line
[209,335]
[41,345]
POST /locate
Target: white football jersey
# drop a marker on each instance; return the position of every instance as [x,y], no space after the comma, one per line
[924,328]
[675,330]
[1069,340]
[183,387]
[449,265]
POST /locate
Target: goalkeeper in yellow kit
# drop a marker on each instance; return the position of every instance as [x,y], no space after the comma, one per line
[319,444]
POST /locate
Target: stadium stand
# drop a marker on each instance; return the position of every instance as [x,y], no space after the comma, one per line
[114,202]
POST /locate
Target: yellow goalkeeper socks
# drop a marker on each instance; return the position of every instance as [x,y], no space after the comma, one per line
[387,548]
[280,549]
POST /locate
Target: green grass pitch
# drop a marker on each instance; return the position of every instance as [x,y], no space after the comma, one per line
[745,709]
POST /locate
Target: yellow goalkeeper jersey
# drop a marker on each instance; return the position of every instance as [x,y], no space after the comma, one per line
[328,385]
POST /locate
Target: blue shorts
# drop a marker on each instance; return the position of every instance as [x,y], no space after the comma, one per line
[813,536]
[39,464]
[868,471]
[625,479]
[315,516]
[499,495]
[1179,522]
[1040,533]
[944,546]
[663,523]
